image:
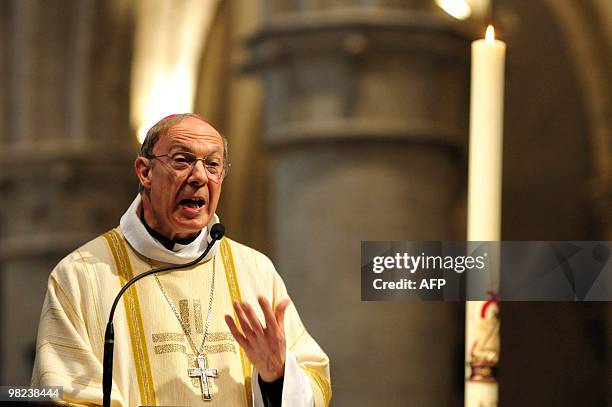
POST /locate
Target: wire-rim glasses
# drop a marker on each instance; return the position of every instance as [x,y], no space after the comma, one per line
[183,161]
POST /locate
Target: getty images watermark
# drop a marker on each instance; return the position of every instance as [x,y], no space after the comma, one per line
[459,271]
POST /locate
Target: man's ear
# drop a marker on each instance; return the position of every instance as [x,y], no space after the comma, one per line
[142,167]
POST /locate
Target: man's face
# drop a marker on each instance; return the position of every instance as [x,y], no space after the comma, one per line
[168,198]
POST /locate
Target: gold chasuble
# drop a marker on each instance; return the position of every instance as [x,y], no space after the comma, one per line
[152,353]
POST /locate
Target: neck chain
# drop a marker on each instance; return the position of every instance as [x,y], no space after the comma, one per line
[198,351]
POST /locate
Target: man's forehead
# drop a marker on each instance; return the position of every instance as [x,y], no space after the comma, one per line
[195,125]
[192,128]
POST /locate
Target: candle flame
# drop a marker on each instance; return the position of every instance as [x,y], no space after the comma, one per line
[490,35]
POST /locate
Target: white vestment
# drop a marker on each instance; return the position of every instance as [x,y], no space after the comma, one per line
[152,354]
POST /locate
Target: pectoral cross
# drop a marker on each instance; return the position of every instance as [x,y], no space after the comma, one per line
[203,373]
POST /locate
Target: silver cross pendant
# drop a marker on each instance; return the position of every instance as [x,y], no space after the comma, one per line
[203,373]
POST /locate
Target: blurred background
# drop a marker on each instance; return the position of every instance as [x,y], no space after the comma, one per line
[347,121]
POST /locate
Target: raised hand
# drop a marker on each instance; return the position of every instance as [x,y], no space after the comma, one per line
[264,346]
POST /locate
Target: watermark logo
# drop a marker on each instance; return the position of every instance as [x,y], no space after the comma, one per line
[459,271]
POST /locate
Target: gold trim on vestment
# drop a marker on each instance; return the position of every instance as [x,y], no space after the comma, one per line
[168,336]
[208,349]
[177,337]
[197,316]
[184,311]
[234,289]
[322,382]
[134,318]
[220,336]
[169,348]
[62,345]
[220,348]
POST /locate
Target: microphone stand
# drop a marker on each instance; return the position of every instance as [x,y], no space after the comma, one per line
[216,233]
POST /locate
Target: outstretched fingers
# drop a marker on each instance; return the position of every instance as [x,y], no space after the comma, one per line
[271,325]
[243,320]
[265,347]
[279,313]
[252,318]
[240,338]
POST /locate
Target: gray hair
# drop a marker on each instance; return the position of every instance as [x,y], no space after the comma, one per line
[163,126]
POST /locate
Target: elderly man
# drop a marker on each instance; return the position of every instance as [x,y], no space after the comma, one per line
[189,337]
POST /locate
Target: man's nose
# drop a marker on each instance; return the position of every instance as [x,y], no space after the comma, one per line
[198,175]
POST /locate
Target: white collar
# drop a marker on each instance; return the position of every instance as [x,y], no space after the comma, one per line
[139,238]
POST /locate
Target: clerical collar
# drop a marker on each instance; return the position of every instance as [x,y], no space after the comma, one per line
[166,242]
[142,240]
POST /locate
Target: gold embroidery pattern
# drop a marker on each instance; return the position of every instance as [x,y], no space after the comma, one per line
[177,337]
[191,362]
[220,336]
[234,289]
[220,348]
[134,318]
[197,316]
[184,311]
[168,336]
[208,349]
[321,382]
[168,348]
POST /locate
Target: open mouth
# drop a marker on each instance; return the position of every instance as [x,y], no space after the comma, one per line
[192,203]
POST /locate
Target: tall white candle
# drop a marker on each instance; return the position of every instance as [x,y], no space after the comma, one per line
[484,213]
[486,130]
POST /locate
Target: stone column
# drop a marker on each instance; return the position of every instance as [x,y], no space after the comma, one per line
[65,150]
[366,107]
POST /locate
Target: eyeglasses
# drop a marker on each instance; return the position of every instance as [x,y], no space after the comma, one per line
[183,162]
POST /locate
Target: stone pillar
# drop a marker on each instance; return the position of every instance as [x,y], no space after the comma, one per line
[366,107]
[65,150]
